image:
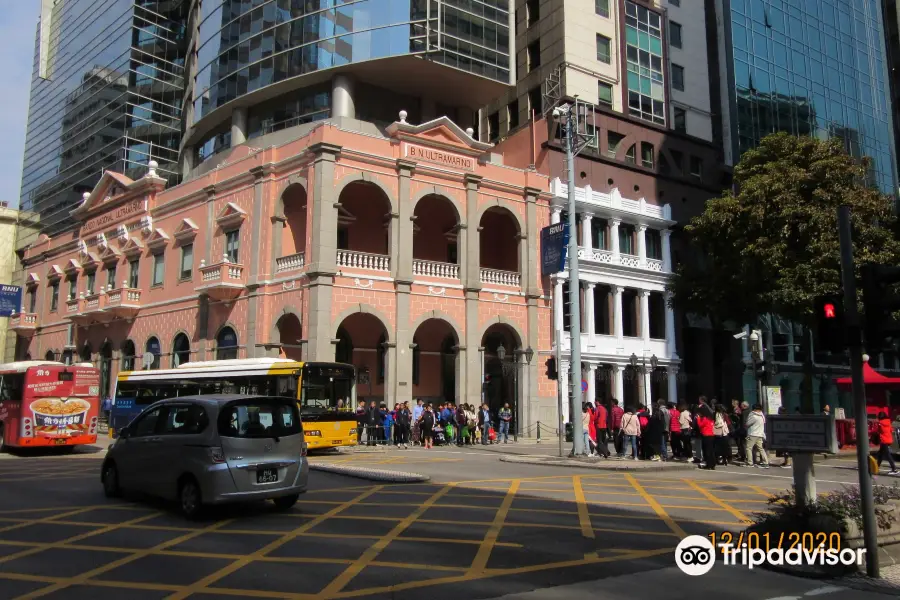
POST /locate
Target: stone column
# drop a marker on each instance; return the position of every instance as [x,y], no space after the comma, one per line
[671,345]
[342,102]
[238,126]
[664,235]
[618,385]
[614,238]
[254,306]
[645,316]
[586,238]
[403,353]
[642,244]
[589,313]
[592,382]
[472,288]
[402,254]
[617,312]
[533,296]
[672,375]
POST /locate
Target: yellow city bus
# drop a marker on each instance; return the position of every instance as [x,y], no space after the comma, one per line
[325,391]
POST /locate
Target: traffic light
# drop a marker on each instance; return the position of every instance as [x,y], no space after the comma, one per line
[552,374]
[830,324]
[880,302]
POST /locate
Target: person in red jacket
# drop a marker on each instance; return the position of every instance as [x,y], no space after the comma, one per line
[675,430]
[886,438]
[616,429]
[600,425]
[706,422]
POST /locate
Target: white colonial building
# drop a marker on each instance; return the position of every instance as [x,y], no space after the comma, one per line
[628,330]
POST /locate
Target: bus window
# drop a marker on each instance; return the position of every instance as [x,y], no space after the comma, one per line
[11,386]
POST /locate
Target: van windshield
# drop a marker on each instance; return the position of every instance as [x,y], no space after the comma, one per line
[260,418]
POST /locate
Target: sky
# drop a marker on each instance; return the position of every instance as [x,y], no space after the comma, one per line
[17,28]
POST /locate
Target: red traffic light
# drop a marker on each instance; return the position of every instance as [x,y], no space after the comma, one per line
[830,312]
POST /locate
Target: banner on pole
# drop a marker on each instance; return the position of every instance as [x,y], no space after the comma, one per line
[10,300]
[554,246]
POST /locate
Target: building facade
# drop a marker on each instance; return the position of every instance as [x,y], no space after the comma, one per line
[410,254]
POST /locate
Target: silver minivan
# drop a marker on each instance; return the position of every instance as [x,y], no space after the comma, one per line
[211,449]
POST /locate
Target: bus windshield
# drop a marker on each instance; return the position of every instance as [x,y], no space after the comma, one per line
[326,388]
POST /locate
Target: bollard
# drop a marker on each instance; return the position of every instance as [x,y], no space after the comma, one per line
[538,432]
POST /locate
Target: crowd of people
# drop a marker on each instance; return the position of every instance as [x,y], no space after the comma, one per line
[426,425]
[707,433]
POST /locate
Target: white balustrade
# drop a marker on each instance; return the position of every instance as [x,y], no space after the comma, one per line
[430,268]
[497,277]
[212,273]
[654,264]
[363,260]
[611,200]
[290,262]
[629,260]
[626,260]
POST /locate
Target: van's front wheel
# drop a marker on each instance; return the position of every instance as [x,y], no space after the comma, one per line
[190,498]
[111,481]
[286,502]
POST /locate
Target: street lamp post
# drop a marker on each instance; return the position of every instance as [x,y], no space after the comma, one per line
[642,370]
[512,367]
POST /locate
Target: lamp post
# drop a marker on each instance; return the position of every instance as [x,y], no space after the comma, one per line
[512,367]
[642,369]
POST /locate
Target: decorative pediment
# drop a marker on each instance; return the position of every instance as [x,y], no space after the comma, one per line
[111,186]
[110,254]
[54,272]
[187,229]
[133,247]
[32,279]
[82,248]
[100,240]
[91,259]
[73,266]
[158,239]
[440,132]
[231,215]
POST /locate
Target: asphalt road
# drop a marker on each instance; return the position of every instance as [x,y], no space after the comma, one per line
[480,528]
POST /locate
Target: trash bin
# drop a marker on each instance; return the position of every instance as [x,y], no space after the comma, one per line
[569,430]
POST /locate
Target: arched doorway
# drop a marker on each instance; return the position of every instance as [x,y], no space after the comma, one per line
[226,344]
[631,388]
[86,353]
[128,353]
[499,247]
[435,232]
[362,339]
[502,370]
[106,368]
[435,364]
[364,222]
[50,356]
[181,350]
[290,334]
[155,349]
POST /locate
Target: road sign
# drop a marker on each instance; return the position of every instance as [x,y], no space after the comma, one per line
[773,399]
[10,300]
[583,386]
[801,433]
[554,244]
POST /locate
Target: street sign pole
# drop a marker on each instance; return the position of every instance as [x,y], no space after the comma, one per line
[574,289]
[851,313]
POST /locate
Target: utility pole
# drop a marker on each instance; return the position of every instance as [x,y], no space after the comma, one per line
[854,339]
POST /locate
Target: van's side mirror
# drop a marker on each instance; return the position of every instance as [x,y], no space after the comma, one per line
[125,433]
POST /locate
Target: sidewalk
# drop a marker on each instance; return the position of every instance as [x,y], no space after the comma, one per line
[599,464]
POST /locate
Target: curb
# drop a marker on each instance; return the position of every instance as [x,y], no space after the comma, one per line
[578,464]
[370,474]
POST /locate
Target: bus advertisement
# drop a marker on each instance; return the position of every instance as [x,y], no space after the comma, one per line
[48,404]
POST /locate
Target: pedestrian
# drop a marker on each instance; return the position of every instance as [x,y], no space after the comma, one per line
[360,420]
[685,422]
[387,423]
[417,411]
[885,439]
[645,442]
[756,436]
[631,430]
[402,425]
[665,424]
[706,422]
[739,429]
[373,423]
[505,415]
[600,426]
[617,413]
[484,423]
[722,433]
[426,427]
[461,422]
[675,430]
[587,428]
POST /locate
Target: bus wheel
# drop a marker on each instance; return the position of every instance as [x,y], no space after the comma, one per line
[111,481]
[190,498]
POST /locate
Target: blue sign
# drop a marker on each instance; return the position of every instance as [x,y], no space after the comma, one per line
[554,244]
[10,300]
[583,386]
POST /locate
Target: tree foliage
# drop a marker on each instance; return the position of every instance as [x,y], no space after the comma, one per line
[771,245]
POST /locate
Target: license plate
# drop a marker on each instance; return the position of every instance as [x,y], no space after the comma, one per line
[338,441]
[59,442]
[267,476]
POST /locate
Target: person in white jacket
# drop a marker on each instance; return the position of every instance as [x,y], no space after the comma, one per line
[756,435]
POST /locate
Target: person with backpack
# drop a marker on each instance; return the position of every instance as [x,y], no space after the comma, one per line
[631,430]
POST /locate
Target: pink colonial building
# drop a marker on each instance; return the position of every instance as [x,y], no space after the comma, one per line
[410,252]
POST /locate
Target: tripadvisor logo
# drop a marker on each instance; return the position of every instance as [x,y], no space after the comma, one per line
[695,555]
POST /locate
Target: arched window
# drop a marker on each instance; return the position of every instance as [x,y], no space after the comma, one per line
[128,353]
[155,349]
[50,355]
[226,344]
[181,350]
[380,353]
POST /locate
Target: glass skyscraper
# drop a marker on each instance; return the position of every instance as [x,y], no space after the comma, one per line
[810,67]
[106,94]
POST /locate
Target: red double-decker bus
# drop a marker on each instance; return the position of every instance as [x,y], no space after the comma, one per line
[45,403]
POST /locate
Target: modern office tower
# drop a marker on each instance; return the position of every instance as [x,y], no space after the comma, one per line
[810,67]
[106,94]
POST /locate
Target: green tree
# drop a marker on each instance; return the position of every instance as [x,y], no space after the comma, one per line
[771,245]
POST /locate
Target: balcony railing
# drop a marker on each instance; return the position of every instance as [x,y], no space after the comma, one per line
[365,261]
[23,323]
[291,262]
[222,281]
[124,302]
[654,264]
[626,260]
[497,277]
[430,268]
